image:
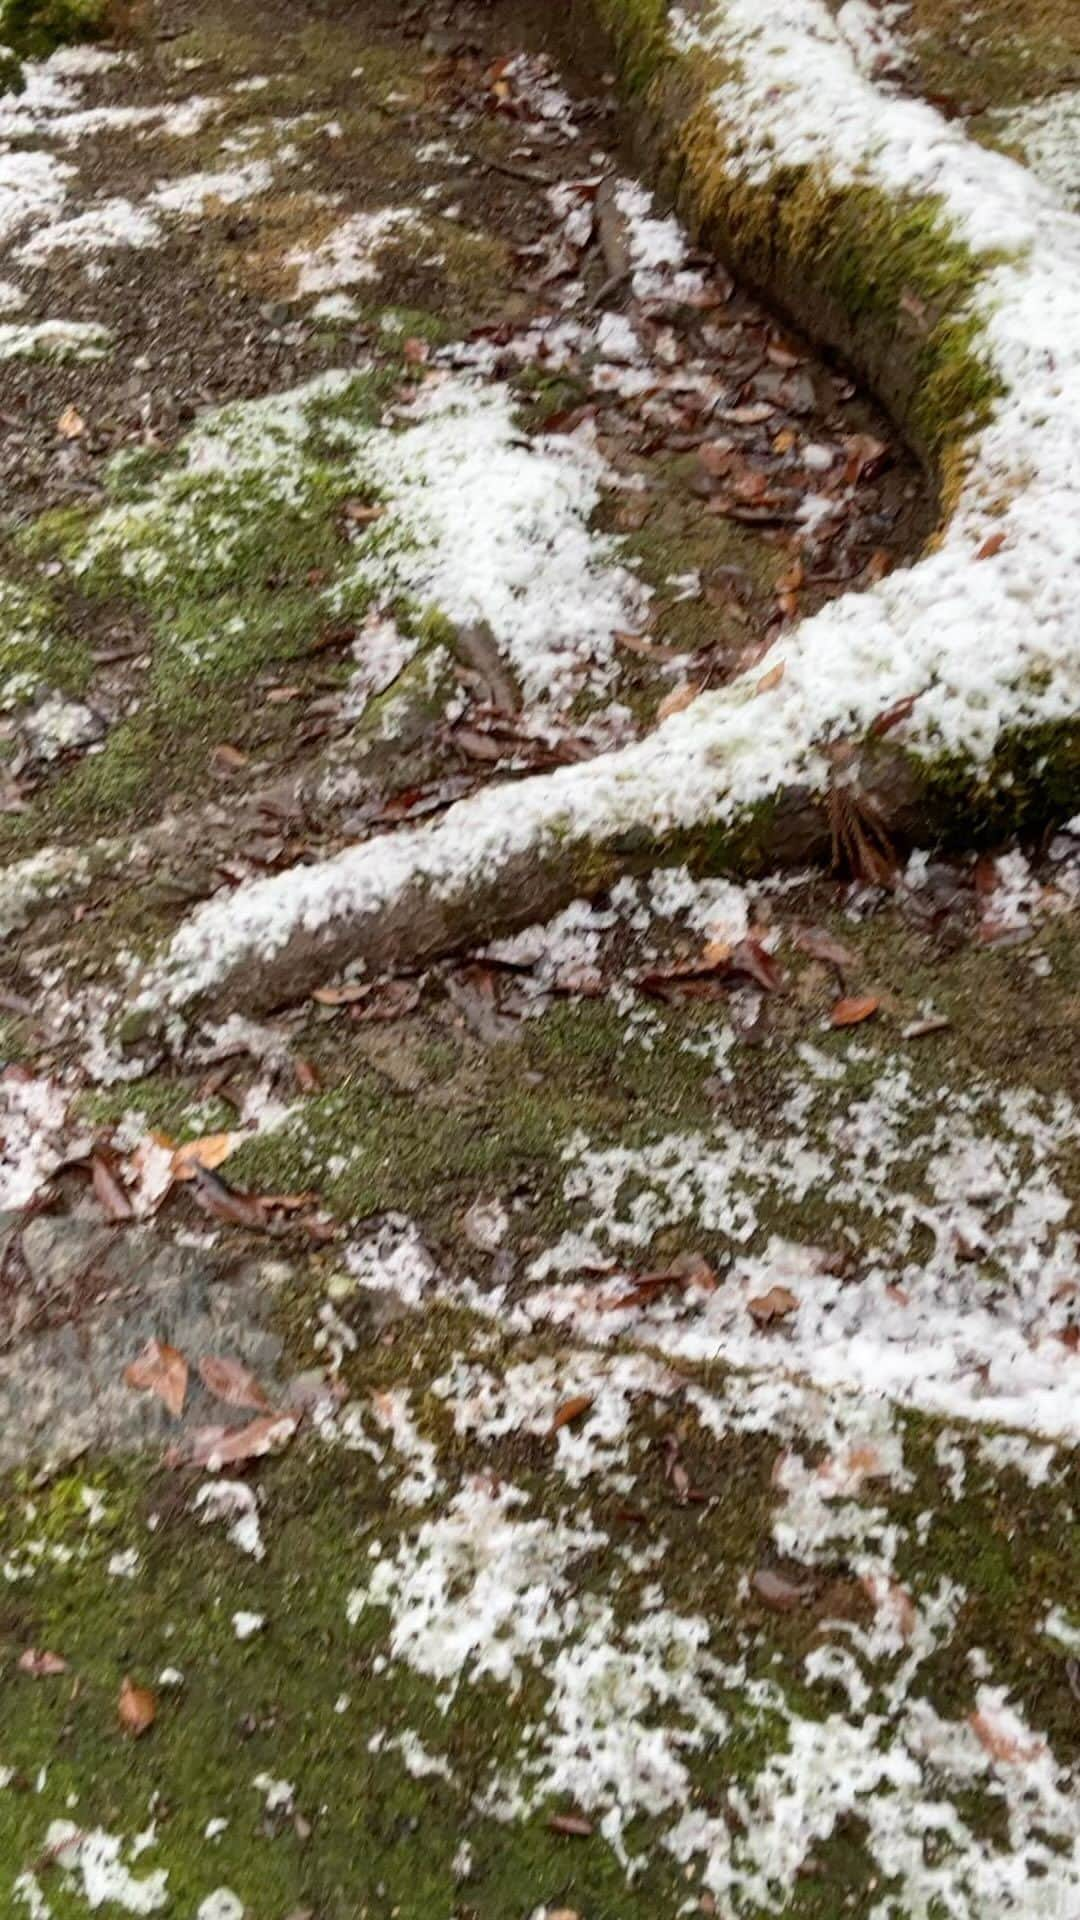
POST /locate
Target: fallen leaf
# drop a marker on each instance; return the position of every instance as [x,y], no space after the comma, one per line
[215,1449]
[361,513]
[776,1304]
[161,1370]
[41,1665]
[571,1410]
[111,1196]
[344,994]
[228,759]
[918,1029]
[751,958]
[893,716]
[851,1013]
[229,1381]
[777,1592]
[572,1823]
[889,1597]
[1003,1737]
[71,425]
[216,1197]
[137,1708]
[307,1077]
[991,545]
[820,945]
[771,679]
[208,1152]
[678,699]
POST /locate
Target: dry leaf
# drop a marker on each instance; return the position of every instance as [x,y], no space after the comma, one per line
[851,1013]
[161,1370]
[820,945]
[111,1196]
[751,958]
[777,1592]
[1003,1737]
[41,1665]
[572,1410]
[137,1708]
[774,1305]
[216,1197]
[572,1823]
[343,995]
[991,545]
[209,1152]
[229,1381]
[773,678]
[678,699]
[214,1449]
[71,425]
[889,1597]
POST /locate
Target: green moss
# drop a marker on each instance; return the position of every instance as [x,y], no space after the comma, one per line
[35,28]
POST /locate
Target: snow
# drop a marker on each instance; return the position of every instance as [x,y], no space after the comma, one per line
[956,1296]
[93,1857]
[106,224]
[348,255]
[981,646]
[53,340]
[1048,134]
[194,193]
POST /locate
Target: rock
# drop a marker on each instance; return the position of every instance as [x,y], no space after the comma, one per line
[96,1296]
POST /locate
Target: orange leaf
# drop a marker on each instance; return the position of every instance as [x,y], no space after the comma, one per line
[137,1708]
[572,1410]
[267,1435]
[208,1152]
[71,425]
[991,545]
[771,679]
[161,1370]
[1003,1738]
[774,1305]
[678,699]
[572,1823]
[850,1013]
[41,1665]
[227,1380]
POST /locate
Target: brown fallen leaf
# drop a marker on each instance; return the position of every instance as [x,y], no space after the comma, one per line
[137,1708]
[757,963]
[571,1823]
[216,1197]
[110,1195]
[991,545]
[71,425]
[777,1592]
[209,1152]
[776,1304]
[161,1370]
[893,716]
[41,1665]
[213,1448]
[820,945]
[889,1597]
[229,1381]
[1002,1740]
[571,1410]
[918,1029]
[678,699]
[307,1076]
[851,1013]
[344,994]
[226,758]
[771,679]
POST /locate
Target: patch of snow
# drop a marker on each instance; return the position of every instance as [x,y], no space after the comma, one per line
[348,255]
[93,1858]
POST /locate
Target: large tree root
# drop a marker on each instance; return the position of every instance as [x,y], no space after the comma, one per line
[952,281]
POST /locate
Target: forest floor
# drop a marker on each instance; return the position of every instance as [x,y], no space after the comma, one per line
[586,1428]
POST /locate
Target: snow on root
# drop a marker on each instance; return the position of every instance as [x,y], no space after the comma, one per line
[981,636]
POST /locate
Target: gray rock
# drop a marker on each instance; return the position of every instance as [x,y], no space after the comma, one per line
[99,1294]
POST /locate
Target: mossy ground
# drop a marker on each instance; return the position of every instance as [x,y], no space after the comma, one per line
[979,54]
